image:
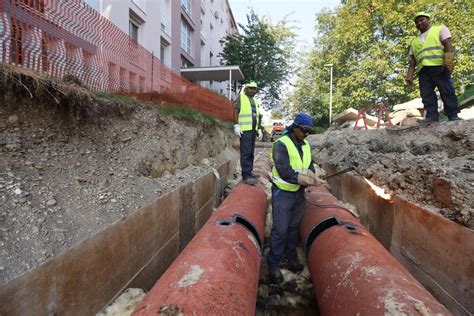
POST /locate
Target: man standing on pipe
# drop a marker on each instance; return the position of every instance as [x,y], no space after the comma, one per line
[247,119]
[292,170]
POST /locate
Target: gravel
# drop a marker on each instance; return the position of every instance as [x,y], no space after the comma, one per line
[62,179]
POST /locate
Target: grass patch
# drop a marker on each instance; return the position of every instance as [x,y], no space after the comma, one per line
[185,114]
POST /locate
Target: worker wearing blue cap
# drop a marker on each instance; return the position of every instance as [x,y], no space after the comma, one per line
[292,171]
[432,56]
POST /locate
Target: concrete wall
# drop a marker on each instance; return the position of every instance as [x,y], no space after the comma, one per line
[131,253]
[438,252]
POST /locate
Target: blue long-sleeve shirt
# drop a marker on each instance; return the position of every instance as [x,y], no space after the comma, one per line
[281,160]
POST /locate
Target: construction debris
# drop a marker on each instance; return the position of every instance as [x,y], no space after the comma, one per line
[432,165]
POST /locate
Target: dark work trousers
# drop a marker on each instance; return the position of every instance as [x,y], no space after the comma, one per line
[247,148]
[287,211]
[431,77]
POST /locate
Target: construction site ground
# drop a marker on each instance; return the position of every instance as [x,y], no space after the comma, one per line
[68,170]
[73,163]
[432,165]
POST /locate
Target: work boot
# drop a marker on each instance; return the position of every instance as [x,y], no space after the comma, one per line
[427,121]
[295,266]
[455,118]
[250,180]
[275,276]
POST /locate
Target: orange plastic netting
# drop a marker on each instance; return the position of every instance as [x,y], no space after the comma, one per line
[60,37]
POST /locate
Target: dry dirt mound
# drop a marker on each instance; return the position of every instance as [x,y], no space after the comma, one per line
[432,165]
[69,169]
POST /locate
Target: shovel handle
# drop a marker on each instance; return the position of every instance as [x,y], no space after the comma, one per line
[340,172]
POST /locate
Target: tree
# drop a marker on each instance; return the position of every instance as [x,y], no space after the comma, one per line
[367,41]
[264,53]
[277,115]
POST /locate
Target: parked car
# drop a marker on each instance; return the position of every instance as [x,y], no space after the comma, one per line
[277,129]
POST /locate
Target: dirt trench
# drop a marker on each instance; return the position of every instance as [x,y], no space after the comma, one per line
[67,172]
[431,165]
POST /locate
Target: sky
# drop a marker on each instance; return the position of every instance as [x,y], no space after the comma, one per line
[302,11]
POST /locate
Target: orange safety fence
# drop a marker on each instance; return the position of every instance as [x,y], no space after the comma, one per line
[68,37]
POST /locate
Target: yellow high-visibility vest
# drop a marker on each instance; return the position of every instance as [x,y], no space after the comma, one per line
[245,114]
[296,163]
[431,51]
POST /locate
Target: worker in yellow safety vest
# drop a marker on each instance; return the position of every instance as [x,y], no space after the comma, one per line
[247,119]
[431,54]
[292,171]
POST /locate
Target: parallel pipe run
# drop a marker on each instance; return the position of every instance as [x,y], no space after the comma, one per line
[217,273]
[351,271]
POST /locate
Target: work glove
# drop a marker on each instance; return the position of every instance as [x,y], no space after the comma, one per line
[237,130]
[449,61]
[260,134]
[319,172]
[305,179]
[317,177]
[410,75]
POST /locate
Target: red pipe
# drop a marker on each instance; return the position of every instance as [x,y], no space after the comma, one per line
[218,271]
[352,273]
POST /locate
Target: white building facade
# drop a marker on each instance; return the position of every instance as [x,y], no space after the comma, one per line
[180,33]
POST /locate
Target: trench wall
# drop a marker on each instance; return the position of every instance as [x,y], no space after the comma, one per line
[438,252]
[131,253]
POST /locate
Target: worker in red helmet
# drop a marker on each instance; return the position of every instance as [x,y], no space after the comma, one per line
[292,171]
[432,54]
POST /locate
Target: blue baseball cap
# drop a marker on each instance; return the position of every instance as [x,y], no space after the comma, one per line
[303,119]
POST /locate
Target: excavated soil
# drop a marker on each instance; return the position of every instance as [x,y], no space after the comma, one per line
[432,165]
[67,172]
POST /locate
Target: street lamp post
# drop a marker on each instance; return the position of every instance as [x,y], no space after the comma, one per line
[330,93]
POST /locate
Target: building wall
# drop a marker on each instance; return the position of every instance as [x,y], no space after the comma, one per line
[217,22]
[164,17]
[145,14]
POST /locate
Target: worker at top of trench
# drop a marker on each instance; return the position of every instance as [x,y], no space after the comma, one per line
[292,171]
[432,53]
[247,119]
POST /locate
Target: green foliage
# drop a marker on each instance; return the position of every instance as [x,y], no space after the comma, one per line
[264,53]
[277,115]
[185,114]
[367,41]
[318,130]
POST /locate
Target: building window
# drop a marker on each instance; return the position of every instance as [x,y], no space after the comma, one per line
[186,5]
[164,54]
[135,22]
[185,37]
[133,30]
[16,42]
[185,63]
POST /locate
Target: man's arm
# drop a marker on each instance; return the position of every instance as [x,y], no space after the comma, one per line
[411,70]
[236,110]
[448,55]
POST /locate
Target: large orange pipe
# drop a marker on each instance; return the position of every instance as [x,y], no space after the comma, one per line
[352,273]
[217,273]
